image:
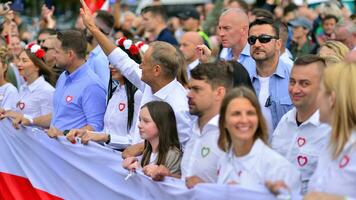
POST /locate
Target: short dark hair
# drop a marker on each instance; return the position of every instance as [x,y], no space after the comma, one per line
[73,40]
[219,73]
[267,21]
[106,18]
[50,31]
[330,17]
[262,13]
[155,10]
[308,59]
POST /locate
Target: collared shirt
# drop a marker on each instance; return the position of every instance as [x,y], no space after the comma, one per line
[79,100]
[279,101]
[36,99]
[202,153]
[245,58]
[191,66]
[8,96]
[116,115]
[261,164]
[173,93]
[166,36]
[99,64]
[337,176]
[287,58]
[301,145]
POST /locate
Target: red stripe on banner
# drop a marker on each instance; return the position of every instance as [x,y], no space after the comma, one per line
[14,187]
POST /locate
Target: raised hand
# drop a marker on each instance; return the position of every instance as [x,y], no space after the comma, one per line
[87,17]
[203,53]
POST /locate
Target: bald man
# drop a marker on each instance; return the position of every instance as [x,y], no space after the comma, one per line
[187,45]
[233,33]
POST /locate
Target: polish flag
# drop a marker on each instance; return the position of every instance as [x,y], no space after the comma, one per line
[95,5]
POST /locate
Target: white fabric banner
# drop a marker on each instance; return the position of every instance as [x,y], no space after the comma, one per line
[76,171]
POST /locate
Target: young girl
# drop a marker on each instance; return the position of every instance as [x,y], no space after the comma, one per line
[157,127]
[243,134]
[36,95]
[8,93]
[335,175]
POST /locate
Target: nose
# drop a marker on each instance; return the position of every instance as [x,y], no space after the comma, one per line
[295,89]
[244,118]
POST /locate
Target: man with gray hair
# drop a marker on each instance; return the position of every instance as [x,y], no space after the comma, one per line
[233,33]
[346,33]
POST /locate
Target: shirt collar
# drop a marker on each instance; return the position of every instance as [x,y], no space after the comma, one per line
[246,160]
[78,72]
[192,65]
[37,83]
[96,50]
[314,119]
[213,122]
[246,50]
[281,70]
[166,90]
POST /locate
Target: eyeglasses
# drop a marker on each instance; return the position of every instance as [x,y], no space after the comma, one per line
[40,41]
[261,38]
[46,48]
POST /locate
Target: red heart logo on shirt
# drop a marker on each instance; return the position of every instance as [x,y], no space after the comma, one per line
[21,105]
[121,106]
[301,141]
[69,99]
[302,160]
[344,161]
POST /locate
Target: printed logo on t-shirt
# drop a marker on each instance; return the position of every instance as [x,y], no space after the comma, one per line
[121,106]
[302,160]
[21,105]
[344,161]
[205,151]
[301,141]
[69,99]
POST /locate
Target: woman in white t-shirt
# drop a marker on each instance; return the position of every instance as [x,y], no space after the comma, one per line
[36,95]
[248,161]
[8,93]
[335,175]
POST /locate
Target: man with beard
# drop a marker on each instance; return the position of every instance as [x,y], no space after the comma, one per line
[271,77]
[207,88]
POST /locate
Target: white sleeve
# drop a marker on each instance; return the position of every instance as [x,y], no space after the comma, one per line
[128,68]
[184,122]
[46,102]
[10,99]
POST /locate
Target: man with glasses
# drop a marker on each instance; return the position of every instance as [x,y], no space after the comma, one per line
[271,77]
[50,56]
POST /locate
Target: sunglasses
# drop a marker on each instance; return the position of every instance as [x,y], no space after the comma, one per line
[261,38]
[46,48]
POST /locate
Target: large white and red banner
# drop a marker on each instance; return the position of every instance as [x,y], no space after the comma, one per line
[34,166]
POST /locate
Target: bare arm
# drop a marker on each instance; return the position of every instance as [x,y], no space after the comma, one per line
[117,14]
[88,21]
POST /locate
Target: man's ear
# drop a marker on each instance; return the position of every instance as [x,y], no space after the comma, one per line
[157,70]
[220,92]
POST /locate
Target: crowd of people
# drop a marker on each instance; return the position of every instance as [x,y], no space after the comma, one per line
[222,93]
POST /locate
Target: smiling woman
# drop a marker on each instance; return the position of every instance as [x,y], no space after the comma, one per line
[243,136]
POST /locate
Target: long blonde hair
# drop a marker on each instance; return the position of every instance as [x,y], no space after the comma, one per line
[340,51]
[340,79]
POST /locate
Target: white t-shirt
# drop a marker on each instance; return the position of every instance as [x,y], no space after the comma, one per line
[116,115]
[301,145]
[36,99]
[201,153]
[263,98]
[261,164]
[9,96]
[337,176]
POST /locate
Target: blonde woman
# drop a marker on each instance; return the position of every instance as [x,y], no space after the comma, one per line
[333,51]
[335,176]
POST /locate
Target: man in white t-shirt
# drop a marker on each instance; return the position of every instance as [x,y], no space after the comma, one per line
[300,136]
[208,85]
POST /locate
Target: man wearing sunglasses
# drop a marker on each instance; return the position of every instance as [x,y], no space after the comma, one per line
[233,33]
[271,77]
[50,57]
